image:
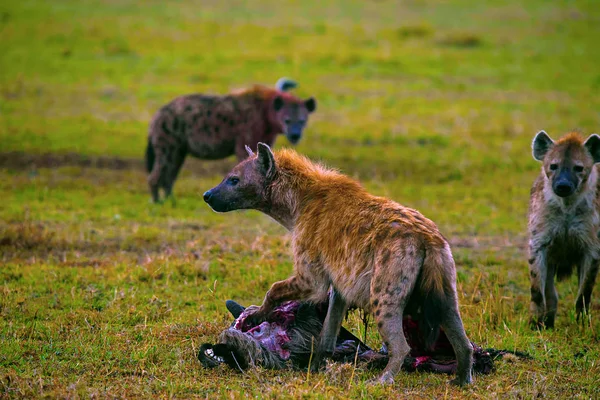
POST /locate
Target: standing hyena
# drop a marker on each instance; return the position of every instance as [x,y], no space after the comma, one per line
[563,221]
[377,254]
[214,127]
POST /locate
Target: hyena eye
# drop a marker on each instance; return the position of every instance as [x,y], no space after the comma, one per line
[233,180]
[578,168]
[553,167]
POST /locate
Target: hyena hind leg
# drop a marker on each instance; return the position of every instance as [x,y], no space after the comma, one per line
[154,192]
[463,349]
[389,324]
[168,162]
[176,159]
[155,178]
[551,297]
[388,305]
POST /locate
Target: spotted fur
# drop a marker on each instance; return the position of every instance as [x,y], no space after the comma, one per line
[214,127]
[563,221]
[377,254]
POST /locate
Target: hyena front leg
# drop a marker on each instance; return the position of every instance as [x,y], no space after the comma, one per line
[155,177]
[587,278]
[295,287]
[550,296]
[538,270]
[307,284]
[331,328]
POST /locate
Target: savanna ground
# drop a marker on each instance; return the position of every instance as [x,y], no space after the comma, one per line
[432,103]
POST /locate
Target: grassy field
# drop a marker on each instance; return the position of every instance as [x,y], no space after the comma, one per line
[432,103]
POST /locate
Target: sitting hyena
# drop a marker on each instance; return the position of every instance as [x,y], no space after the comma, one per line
[377,254]
[563,221]
[214,127]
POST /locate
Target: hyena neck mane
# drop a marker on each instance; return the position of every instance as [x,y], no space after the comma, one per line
[299,182]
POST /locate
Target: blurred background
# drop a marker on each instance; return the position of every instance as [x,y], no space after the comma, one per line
[428,98]
[433,103]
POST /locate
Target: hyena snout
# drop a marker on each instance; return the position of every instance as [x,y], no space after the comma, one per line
[564,185]
[215,201]
[294,133]
[563,189]
[293,130]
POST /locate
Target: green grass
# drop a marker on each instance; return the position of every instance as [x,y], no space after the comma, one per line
[432,103]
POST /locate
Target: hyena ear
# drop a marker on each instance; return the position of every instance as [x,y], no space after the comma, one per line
[278,103]
[311,104]
[266,160]
[592,144]
[249,151]
[286,84]
[541,144]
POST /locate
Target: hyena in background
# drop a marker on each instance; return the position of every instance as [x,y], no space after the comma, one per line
[377,255]
[214,127]
[563,221]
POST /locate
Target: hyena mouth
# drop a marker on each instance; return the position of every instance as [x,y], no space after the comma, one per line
[294,138]
[215,203]
[219,206]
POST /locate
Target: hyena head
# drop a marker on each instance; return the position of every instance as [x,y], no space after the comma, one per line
[291,115]
[568,162]
[245,187]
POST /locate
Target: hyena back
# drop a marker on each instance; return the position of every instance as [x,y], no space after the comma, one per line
[214,127]
[563,222]
[377,255]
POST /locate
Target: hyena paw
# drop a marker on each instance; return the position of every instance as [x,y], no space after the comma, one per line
[582,317]
[317,363]
[385,379]
[462,381]
[581,309]
[538,324]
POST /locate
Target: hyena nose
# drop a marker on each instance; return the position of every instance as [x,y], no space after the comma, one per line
[207,196]
[294,138]
[563,189]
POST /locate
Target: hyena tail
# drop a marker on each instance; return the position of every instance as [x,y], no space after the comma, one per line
[149,157]
[436,291]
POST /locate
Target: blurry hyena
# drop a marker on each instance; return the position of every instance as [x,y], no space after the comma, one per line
[214,127]
[377,254]
[563,221]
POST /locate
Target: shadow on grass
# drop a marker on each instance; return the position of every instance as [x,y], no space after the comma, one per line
[16,160]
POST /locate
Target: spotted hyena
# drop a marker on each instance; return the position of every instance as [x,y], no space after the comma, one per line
[377,255]
[563,221]
[214,127]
